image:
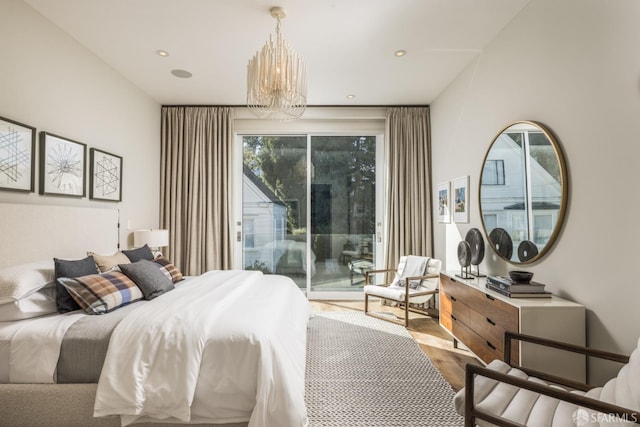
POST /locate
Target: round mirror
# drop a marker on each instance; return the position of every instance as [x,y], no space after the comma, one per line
[523,192]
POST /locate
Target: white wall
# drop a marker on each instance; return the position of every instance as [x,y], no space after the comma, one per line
[573,65]
[49,81]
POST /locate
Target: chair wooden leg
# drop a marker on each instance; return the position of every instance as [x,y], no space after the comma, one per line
[366,303]
[406,315]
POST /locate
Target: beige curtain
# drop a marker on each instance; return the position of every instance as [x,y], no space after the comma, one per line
[409,227]
[195,186]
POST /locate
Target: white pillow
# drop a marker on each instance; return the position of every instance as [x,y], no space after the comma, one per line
[22,280]
[37,304]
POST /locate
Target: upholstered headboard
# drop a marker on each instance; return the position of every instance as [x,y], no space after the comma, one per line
[31,233]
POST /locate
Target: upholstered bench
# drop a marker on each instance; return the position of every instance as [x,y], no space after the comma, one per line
[502,395]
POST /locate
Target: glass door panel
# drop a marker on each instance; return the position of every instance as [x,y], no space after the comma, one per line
[274,206]
[343,215]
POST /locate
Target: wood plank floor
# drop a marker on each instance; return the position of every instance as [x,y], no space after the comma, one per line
[432,338]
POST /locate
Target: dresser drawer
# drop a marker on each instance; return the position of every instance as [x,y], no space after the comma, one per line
[480,346]
[451,304]
[486,328]
[497,311]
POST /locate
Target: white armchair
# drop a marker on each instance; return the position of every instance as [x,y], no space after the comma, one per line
[416,282]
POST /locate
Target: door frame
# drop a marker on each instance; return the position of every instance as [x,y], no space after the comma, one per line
[321,122]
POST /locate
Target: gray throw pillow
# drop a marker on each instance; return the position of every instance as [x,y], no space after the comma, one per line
[149,278]
[138,254]
[71,268]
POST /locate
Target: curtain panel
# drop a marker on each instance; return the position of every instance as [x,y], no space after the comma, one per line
[195,186]
[409,214]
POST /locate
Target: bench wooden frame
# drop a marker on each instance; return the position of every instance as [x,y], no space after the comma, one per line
[471,413]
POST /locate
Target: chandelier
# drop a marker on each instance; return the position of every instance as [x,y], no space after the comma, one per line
[277,79]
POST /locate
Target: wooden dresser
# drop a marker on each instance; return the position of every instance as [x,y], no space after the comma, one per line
[477,317]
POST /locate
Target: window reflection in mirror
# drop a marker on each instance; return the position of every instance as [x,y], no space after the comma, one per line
[523,189]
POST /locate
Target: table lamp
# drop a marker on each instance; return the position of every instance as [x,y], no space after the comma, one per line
[155,239]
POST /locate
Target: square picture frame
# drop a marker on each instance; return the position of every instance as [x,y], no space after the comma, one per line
[63,166]
[105,176]
[17,156]
[460,194]
[443,192]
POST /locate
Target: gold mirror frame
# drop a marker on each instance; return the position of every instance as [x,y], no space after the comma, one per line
[530,169]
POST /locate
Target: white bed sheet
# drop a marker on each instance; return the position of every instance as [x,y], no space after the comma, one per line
[227,346]
[29,348]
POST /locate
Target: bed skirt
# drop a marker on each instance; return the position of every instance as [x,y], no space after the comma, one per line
[63,405]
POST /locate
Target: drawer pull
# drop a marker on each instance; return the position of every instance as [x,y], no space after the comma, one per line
[491,322]
[493,347]
[489,296]
[453,298]
[453,317]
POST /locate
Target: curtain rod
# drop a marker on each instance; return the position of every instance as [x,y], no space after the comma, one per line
[316,106]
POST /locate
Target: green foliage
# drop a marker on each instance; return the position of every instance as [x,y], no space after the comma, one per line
[346,164]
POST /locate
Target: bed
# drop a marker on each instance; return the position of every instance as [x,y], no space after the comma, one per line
[223,348]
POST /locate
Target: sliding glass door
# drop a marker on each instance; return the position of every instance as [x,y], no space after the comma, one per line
[309,209]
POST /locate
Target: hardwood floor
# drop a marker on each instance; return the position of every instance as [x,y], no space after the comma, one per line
[433,340]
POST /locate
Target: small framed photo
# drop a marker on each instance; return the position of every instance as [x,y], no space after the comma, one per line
[17,156]
[105,176]
[444,202]
[63,166]
[460,193]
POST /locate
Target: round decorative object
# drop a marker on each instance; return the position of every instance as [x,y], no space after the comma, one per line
[502,242]
[476,242]
[527,250]
[521,276]
[464,253]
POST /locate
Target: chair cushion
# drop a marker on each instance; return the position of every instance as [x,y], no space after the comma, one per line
[397,294]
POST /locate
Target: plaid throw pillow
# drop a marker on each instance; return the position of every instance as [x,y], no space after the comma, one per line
[169,269]
[102,293]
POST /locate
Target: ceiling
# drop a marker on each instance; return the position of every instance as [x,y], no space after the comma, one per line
[348,45]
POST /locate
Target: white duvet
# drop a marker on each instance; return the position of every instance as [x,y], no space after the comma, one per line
[531,409]
[227,346]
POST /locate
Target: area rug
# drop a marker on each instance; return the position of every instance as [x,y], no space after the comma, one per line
[365,372]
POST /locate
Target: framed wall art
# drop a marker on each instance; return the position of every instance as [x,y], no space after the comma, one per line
[17,156]
[460,192]
[105,176]
[63,166]
[444,202]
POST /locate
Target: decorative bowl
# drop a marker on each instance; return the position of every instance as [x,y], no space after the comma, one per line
[521,276]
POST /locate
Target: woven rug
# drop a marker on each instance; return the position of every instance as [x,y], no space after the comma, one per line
[365,372]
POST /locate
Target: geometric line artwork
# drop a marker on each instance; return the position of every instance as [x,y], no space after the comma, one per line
[16,147]
[65,167]
[62,166]
[105,175]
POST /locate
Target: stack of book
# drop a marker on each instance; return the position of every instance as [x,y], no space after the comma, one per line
[507,287]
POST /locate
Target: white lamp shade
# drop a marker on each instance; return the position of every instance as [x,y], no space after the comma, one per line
[152,238]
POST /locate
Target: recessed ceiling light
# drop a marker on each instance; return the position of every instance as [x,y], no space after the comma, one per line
[161,52]
[183,74]
[400,52]
[351,96]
